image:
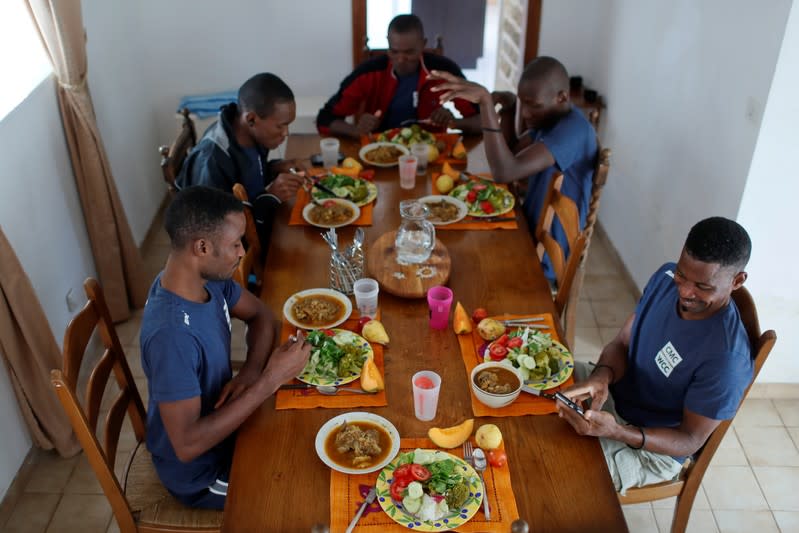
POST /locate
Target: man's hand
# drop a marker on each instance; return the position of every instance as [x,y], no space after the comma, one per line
[237,385]
[593,423]
[288,359]
[441,117]
[506,99]
[455,87]
[595,388]
[285,186]
[367,123]
[289,165]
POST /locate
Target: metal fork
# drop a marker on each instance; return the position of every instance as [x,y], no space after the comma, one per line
[468,451]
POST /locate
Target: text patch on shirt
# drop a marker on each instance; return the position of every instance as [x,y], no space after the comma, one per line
[667,359]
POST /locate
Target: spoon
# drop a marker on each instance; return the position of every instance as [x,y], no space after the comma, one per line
[479,459]
[330,390]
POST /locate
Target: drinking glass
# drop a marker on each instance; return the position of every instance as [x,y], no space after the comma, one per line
[420,150]
[329,147]
[426,386]
[407,171]
[366,290]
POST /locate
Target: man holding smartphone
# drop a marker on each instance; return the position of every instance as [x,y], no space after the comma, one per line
[195,403]
[679,365]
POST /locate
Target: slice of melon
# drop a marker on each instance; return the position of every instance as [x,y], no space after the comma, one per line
[452,437]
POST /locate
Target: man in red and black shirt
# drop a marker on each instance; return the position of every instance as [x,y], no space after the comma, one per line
[394,90]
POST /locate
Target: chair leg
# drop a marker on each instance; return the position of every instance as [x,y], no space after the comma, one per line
[682,509]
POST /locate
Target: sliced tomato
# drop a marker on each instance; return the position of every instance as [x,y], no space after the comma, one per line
[328,204]
[362,322]
[329,332]
[502,340]
[471,196]
[477,187]
[398,489]
[497,352]
[368,174]
[515,342]
[419,473]
[487,206]
[497,458]
[403,473]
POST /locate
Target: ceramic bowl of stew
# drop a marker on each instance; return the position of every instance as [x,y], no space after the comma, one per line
[496,384]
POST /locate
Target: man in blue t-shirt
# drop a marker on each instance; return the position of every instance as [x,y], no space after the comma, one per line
[557,138]
[679,365]
[195,403]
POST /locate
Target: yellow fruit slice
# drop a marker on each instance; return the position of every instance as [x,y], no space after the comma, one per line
[371,380]
[461,322]
[449,171]
[451,437]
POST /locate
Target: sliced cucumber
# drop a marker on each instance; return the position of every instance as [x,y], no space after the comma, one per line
[415,490]
[412,505]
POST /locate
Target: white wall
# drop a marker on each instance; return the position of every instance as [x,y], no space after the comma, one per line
[769,200]
[199,46]
[685,83]
[41,217]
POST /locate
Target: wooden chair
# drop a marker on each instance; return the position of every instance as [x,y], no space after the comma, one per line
[560,205]
[601,169]
[172,156]
[369,53]
[686,486]
[252,262]
[139,501]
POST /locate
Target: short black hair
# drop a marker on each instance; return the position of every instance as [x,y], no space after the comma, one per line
[260,93]
[198,212]
[549,69]
[721,241]
[406,24]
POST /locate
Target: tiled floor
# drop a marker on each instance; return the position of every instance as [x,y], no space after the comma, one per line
[752,484]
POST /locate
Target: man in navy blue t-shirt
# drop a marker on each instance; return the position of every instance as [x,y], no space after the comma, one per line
[557,138]
[679,365]
[195,403]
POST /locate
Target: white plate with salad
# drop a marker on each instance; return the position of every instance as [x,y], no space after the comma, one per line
[484,198]
[542,361]
[337,357]
[356,190]
[429,490]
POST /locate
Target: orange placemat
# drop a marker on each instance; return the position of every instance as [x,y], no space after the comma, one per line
[347,493]
[525,404]
[445,155]
[296,219]
[477,223]
[310,398]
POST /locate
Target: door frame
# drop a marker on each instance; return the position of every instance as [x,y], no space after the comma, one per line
[532,31]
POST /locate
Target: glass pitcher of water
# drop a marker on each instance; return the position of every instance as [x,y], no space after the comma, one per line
[416,236]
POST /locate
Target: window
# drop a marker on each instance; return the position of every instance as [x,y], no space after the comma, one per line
[23,60]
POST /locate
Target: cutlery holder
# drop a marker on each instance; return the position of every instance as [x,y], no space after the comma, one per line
[344,275]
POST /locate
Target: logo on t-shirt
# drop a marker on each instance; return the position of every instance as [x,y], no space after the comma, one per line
[667,359]
[227,315]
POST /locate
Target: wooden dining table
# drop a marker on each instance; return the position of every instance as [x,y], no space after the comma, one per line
[278,483]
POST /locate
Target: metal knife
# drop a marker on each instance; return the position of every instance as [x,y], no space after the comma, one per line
[296,386]
[558,396]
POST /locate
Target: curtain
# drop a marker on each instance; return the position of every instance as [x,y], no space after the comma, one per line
[30,351]
[116,257]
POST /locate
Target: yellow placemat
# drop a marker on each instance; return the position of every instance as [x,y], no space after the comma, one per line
[347,493]
[507,221]
[310,398]
[525,404]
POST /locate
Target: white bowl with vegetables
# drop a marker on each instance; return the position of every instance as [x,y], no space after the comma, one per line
[429,490]
[496,384]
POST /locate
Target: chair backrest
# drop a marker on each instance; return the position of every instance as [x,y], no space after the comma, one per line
[84,417]
[369,53]
[252,262]
[172,156]
[601,169]
[557,204]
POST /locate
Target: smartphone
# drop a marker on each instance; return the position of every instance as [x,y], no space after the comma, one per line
[572,405]
[316,159]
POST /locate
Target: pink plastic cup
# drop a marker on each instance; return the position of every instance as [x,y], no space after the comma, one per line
[439,299]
